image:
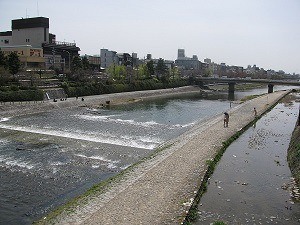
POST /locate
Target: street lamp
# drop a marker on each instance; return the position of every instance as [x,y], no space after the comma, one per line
[69,58]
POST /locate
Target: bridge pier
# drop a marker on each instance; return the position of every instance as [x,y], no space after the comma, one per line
[270,88]
[231,87]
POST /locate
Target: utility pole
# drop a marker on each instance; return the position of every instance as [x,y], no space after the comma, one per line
[69,59]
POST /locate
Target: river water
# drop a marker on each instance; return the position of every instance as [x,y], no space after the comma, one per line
[50,157]
[252,183]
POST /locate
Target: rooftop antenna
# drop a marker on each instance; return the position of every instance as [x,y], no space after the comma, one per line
[37,7]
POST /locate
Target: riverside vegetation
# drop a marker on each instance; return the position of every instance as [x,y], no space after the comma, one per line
[294,154]
[18,84]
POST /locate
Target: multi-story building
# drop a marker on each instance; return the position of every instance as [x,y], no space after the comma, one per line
[30,57]
[181,54]
[5,38]
[112,57]
[187,63]
[34,32]
[108,58]
[207,60]
[94,61]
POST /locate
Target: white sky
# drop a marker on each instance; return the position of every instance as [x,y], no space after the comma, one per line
[236,32]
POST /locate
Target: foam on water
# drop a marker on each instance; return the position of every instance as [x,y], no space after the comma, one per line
[144,139]
[100,158]
[183,125]
[108,119]
[105,138]
[57,163]
[10,162]
[109,163]
[4,119]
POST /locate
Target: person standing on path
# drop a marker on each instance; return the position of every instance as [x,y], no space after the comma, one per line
[226,119]
[255,112]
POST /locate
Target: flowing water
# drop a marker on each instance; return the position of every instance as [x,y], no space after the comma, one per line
[252,183]
[48,158]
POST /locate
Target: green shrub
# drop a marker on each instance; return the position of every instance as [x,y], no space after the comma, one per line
[21,95]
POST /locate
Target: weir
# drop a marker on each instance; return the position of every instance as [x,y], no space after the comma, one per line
[57,93]
[161,189]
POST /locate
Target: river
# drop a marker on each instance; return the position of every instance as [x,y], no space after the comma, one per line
[50,157]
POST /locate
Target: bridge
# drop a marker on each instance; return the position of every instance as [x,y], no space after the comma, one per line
[232,81]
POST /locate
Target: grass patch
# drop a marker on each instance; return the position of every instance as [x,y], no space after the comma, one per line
[247,98]
[293,156]
[219,223]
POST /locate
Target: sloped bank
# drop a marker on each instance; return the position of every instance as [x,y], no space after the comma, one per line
[294,154]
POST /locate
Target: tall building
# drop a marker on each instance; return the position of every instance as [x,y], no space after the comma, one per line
[30,31]
[181,54]
[187,63]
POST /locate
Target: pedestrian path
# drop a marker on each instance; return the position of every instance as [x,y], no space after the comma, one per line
[160,189]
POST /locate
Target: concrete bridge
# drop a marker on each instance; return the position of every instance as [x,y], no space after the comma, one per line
[232,81]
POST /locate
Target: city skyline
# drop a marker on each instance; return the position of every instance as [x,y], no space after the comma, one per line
[264,33]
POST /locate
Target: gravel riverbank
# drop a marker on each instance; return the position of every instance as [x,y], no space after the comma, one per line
[160,189]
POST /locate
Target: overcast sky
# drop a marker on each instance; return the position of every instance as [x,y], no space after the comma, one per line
[236,32]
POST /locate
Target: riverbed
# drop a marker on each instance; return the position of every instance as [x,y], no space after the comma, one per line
[50,157]
[252,183]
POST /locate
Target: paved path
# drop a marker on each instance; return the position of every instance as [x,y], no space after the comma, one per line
[156,191]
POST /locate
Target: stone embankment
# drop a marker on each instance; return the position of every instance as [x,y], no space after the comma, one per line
[161,188]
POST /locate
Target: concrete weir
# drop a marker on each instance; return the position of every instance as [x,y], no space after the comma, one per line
[161,189]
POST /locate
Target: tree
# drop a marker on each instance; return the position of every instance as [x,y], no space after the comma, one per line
[76,64]
[207,72]
[162,71]
[143,72]
[14,63]
[85,63]
[3,60]
[174,73]
[117,72]
[161,67]
[150,67]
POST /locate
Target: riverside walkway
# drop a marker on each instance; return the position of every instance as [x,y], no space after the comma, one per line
[159,190]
